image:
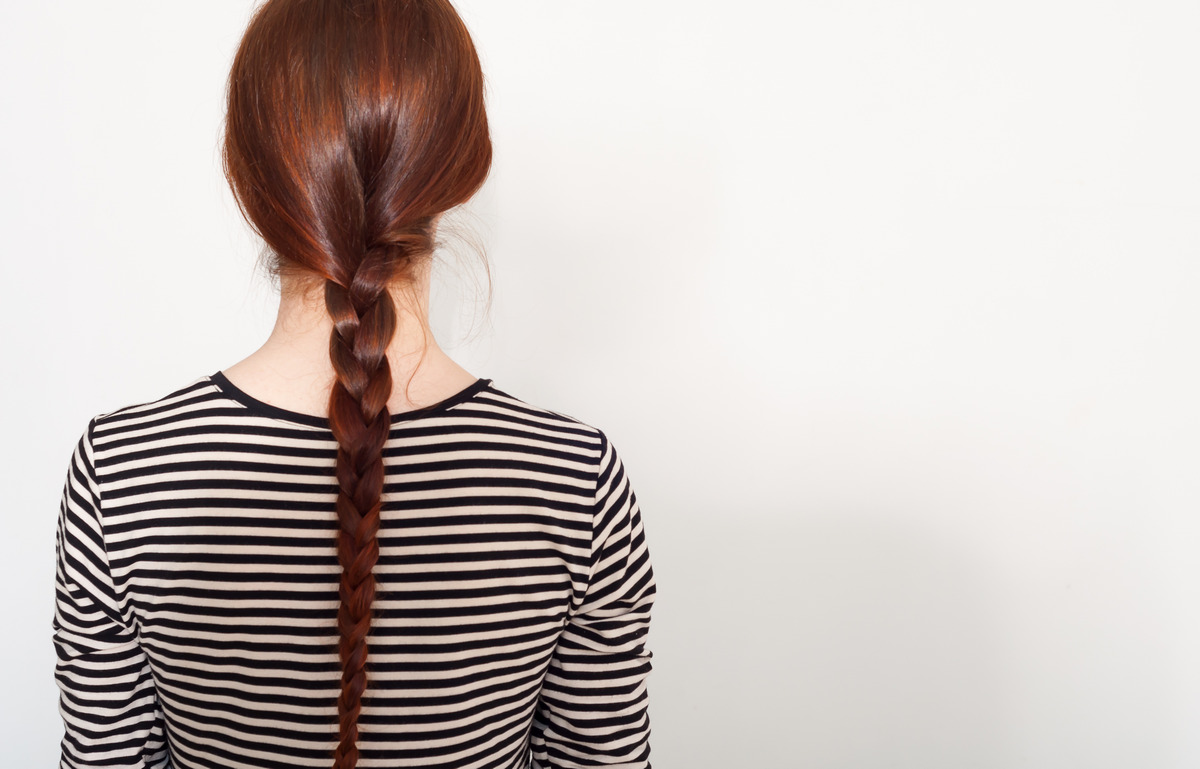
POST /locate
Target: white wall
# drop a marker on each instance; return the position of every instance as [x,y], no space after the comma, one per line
[890,306]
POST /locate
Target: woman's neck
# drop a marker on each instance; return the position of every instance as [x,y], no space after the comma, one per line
[292,369]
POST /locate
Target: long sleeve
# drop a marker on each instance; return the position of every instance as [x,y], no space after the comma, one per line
[107,700]
[593,709]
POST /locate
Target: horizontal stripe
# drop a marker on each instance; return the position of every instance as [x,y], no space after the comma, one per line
[197,590]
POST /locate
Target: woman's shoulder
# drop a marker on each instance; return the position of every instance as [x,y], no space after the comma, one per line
[211,401]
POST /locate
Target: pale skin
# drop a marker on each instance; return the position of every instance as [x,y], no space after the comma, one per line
[292,369]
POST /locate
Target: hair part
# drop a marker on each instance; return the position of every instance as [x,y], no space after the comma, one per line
[351,125]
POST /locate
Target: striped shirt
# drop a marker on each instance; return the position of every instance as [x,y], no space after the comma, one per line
[197,590]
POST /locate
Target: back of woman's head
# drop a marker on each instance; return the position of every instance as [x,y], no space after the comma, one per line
[350,126]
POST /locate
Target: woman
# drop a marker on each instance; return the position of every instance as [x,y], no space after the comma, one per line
[345,550]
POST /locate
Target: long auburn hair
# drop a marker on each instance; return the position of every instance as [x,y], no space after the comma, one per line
[350,126]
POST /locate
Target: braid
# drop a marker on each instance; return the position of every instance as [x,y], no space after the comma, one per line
[350,126]
[364,321]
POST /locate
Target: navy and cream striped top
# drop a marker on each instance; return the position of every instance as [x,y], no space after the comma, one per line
[197,590]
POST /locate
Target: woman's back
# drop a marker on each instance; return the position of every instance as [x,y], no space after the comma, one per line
[198,587]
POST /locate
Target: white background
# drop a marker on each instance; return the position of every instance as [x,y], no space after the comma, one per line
[891,308]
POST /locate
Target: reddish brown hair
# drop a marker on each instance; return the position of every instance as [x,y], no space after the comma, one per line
[350,126]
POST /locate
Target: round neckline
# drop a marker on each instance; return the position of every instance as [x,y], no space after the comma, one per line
[231,390]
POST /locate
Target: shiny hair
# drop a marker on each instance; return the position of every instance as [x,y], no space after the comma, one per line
[351,125]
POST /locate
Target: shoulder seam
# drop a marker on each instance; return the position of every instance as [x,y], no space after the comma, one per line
[94,479]
[93,473]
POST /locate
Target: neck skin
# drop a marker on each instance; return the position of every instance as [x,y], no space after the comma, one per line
[292,369]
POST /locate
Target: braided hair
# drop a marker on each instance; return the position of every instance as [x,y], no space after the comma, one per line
[350,126]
